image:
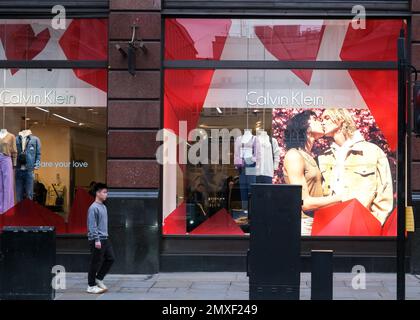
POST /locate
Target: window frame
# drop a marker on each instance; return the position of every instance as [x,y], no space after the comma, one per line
[279,65]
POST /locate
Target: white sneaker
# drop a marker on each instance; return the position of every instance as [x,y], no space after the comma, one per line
[101,284]
[95,290]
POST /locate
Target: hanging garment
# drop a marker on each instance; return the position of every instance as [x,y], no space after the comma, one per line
[8,147]
[6,183]
[29,152]
[55,191]
[244,152]
[267,155]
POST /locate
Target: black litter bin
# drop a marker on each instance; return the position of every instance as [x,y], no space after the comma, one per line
[27,259]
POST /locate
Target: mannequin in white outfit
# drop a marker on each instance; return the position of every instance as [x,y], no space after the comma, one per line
[267,157]
[244,160]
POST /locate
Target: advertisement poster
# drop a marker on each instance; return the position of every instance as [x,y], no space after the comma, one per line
[333,131]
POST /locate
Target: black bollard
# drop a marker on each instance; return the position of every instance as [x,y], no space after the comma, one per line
[322,275]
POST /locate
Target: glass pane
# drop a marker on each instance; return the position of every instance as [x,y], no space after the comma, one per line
[225,119]
[53,132]
[36,39]
[284,40]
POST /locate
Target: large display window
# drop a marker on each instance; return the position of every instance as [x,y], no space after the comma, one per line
[53,123]
[332,130]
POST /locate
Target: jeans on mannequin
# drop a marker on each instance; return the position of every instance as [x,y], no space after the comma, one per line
[246,178]
[264,179]
[24,184]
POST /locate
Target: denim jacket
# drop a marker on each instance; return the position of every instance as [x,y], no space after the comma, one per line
[32,150]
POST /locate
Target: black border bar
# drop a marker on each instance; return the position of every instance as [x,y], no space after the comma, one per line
[253,64]
[53,64]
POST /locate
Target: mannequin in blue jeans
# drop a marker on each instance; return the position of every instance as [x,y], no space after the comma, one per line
[244,159]
[28,159]
[246,178]
[24,184]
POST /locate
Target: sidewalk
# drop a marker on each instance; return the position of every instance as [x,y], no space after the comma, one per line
[224,286]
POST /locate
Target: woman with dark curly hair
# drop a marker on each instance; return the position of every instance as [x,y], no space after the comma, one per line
[301,168]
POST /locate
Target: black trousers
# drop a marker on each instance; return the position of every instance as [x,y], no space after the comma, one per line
[101,261]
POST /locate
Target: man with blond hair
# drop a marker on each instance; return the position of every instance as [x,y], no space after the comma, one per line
[354,168]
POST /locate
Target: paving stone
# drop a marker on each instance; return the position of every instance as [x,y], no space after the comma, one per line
[210,285]
[78,296]
[122,296]
[172,284]
[133,289]
[163,291]
[237,296]
[137,284]
[239,288]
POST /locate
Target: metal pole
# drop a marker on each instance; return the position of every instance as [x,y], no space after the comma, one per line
[401,163]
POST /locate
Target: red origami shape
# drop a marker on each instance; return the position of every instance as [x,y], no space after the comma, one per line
[175,222]
[220,223]
[349,218]
[87,39]
[28,213]
[77,220]
[21,43]
[390,226]
[285,42]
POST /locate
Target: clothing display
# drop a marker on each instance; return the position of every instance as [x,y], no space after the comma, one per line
[29,151]
[40,193]
[6,183]
[264,179]
[55,191]
[56,197]
[245,181]
[244,149]
[8,154]
[245,162]
[24,180]
[8,146]
[28,159]
[267,156]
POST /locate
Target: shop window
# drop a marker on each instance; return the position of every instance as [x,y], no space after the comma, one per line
[53,124]
[234,127]
[284,40]
[81,39]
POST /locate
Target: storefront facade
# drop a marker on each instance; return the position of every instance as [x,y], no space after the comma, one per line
[205,61]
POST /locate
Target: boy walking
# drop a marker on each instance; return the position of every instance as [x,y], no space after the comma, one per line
[102,254]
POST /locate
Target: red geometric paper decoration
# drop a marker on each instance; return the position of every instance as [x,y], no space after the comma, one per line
[175,222]
[77,220]
[349,218]
[289,43]
[28,213]
[389,228]
[220,223]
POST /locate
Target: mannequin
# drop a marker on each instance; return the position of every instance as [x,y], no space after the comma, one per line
[28,160]
[56,193]
[8,155]
[267,157]
[3,133]
[40,192]
[244,160]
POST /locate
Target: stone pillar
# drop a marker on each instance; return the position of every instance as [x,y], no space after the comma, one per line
[134,117]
